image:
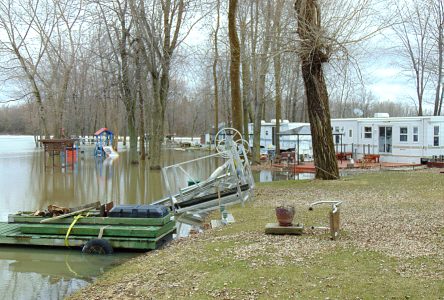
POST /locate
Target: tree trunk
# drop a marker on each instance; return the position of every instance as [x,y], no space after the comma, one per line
[157,127]
[216,90]
[319,116]
[139,94]
[277,74]
[128,99]
[312,56]
[438,96]
[246,85]
[236,102]
[257,132]
[278,100]
[441,100]
[261,72]
[295,96]
[130,112]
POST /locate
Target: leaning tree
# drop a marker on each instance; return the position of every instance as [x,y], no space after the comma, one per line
[313,54]
[346,22]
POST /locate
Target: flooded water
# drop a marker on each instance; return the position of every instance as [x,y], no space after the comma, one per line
[44,273]
[268,176]
[26,185]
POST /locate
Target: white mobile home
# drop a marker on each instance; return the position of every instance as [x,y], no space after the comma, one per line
[287,142]
[399,139]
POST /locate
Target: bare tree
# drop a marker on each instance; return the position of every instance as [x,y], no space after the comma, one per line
[118,31]
[322,38]
[313,55]
[62,54]
[161,35]
[413,30]
[20,36]
[259,75]
[438,36]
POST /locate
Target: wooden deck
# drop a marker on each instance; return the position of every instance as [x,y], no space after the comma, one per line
[308,167]
[435,164]
[123,233]
[95,220]
[94,230]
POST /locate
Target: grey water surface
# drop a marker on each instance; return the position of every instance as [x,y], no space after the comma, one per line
[27,185]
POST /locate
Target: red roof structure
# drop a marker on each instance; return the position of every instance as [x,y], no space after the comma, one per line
[102,130]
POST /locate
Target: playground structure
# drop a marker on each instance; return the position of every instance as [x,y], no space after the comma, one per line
[103,143]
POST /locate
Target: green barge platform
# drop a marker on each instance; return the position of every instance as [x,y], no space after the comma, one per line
[95,234]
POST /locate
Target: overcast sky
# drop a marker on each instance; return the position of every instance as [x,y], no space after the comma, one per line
[382,73]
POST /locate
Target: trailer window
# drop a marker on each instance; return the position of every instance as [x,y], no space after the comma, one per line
[367,132]
[436,136]
[403,131]
[415,134]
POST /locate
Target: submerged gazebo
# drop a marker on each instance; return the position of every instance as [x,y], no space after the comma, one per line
[65,148]
[102,137]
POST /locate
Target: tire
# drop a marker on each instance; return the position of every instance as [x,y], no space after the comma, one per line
[97,246]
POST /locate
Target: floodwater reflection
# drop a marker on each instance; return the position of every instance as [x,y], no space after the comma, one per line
[268,176]
[26,185]
[44,273]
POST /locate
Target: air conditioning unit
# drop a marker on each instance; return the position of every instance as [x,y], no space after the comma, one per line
[381,115]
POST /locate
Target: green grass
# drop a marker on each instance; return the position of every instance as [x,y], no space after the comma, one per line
[240,262]
[341,274]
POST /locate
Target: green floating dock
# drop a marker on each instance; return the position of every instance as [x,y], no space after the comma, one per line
[94,220]
[124,233]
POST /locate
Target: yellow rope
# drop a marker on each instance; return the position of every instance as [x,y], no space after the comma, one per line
[76,218]
[70,269]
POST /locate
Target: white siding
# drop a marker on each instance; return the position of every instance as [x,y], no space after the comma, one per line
[401,151]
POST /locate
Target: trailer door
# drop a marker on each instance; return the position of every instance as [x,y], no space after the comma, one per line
[385,139]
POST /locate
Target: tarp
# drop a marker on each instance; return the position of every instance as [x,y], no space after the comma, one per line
[302,130]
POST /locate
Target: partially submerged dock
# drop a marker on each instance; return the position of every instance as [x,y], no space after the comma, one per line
[119,233]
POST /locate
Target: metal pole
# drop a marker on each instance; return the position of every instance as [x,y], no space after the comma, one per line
[342,145]
[298,150]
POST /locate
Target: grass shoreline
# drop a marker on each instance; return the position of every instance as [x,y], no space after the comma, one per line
[391,246]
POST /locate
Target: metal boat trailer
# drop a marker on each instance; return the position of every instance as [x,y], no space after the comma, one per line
[191,199]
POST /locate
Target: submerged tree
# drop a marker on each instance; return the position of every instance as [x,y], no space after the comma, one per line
[118,31]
